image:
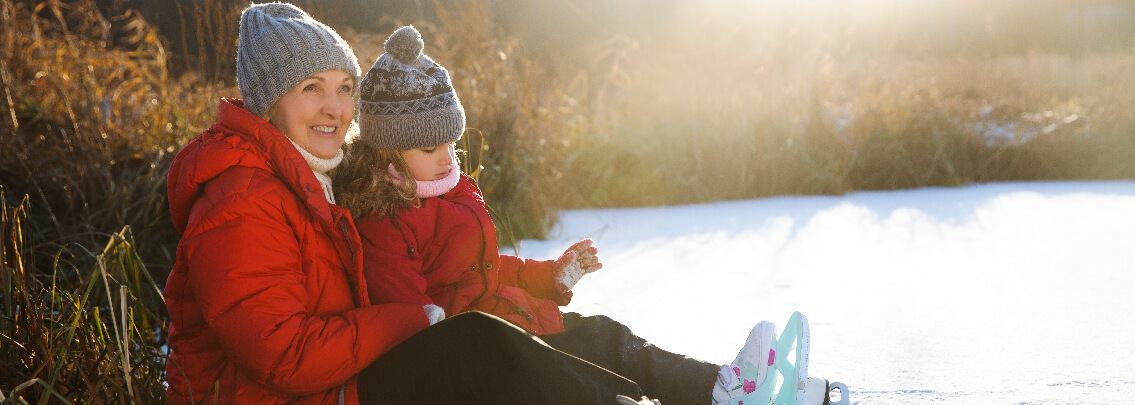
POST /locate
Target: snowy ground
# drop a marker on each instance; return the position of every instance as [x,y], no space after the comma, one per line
[1009,293]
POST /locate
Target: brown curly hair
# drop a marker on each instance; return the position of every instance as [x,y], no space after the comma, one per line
[363,185]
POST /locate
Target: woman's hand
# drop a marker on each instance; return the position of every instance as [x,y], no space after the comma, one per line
[579,259]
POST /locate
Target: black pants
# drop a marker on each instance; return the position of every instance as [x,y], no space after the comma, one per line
[671,378]
[474,358]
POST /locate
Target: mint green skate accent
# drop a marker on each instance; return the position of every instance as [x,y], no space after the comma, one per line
[794,373]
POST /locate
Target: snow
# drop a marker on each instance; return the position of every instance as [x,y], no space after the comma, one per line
[1008,293]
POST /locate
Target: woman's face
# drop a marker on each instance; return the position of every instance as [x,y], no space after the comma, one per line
[316,113]
[431,163]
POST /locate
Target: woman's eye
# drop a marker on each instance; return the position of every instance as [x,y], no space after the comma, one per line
[430,150]
[310,87]
[345,88]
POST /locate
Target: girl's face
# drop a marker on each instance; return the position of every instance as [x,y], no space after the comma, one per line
[431,163]
[316,113]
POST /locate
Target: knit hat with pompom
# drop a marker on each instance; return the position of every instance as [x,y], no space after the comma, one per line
[406,99]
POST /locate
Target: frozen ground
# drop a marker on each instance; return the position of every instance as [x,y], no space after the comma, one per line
[1008,293]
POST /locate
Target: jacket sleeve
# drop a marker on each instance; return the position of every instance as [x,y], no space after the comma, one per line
[534,276]
[245,270]
[393,273]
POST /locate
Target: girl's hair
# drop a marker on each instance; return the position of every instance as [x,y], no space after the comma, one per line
[364,186]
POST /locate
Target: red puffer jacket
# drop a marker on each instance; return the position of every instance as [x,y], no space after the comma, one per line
[267,301]
[444,252]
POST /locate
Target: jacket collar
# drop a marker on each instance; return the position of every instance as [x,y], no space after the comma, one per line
[240,138]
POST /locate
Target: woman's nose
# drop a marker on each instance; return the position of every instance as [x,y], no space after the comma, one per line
[333,106]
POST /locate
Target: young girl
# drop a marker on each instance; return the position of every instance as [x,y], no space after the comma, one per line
[427,235]
[428,240]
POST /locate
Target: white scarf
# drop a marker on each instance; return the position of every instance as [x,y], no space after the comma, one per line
[321,166]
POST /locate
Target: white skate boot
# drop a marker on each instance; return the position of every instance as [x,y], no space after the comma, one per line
[773,370]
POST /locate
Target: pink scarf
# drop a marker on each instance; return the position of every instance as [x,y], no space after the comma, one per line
[432,188]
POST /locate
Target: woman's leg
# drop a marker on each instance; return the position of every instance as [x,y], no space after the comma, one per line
[671,378]
[474,358]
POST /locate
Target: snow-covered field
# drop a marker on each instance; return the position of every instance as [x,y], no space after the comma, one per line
[1005,293]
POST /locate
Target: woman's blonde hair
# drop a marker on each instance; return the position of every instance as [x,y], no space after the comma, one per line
[364,186]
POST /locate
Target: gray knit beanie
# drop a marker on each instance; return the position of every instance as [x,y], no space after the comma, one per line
[280,45]
[407,100]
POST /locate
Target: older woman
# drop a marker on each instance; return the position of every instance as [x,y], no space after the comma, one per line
[267,300]
[264,300]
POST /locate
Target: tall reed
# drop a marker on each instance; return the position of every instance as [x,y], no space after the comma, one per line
[88,332]
[208,38]
[90,121]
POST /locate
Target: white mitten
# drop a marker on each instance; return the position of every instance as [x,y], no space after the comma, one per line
[434,313]
[570,274]
[577,260]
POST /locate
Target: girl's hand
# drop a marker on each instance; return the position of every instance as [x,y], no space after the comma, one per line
[586,254]
[579,259]
[434,313]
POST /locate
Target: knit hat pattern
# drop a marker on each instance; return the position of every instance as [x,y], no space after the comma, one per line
[407,100]
[280,46]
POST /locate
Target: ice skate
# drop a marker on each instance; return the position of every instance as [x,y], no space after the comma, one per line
[770,369]
[746,378]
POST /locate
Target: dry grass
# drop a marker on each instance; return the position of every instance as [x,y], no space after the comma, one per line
[90,120]
[209,38]
[90,331]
